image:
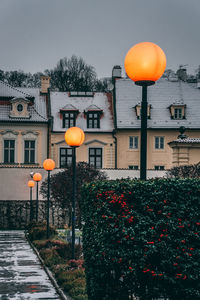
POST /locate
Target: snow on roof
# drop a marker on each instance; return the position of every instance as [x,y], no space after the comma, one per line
[38,112]
[93,108]
[186,141]
[69,107]
[6,90]
[160,96]
[101,101]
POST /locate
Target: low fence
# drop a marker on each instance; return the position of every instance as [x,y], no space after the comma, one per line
[15,214]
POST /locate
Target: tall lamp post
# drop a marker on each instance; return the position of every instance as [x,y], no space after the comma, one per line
[144,64]
[74,137]
[37,178]
[31,184]
[48,165]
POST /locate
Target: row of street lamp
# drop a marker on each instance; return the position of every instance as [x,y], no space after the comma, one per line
[74,137]
[144,64]
[37,177]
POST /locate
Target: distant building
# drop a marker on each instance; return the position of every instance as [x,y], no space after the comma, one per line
[93,113]
[23,126]
[171,104]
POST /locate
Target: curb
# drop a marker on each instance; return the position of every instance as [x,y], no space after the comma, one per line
[48,272]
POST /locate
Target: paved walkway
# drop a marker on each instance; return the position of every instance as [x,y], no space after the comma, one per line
[21,275]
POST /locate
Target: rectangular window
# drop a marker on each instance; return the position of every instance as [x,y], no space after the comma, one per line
[133,142]
[178,113]
[69,120]
[65,157]
[95,157]
[29,152]
[93,120]
[133,167]
[9,151]
[159,142]
[159,167]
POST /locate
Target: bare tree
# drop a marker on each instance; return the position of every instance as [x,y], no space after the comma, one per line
[72,75]
[62,185]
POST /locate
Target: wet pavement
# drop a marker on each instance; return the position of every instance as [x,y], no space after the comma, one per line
[21,275]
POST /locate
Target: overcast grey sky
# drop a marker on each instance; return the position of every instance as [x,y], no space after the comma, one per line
[35,34]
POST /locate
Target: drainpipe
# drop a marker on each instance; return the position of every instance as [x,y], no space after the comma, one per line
[49,122]
[115,122]
[115,143]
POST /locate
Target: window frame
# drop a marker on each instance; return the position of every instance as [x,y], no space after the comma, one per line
[135,145]
[69,119]
[60,155]
[9,149]
[29,149]
[133,167]
[95,157]
[159,145]
[159,168]
[93,119]
[178,113]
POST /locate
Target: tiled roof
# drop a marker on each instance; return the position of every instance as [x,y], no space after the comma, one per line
[38,111]
[160,97]
[187,141]
[101,101]
[7,90]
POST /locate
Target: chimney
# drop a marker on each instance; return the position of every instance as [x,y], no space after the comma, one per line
[182,74]
[116,72]
[45,84]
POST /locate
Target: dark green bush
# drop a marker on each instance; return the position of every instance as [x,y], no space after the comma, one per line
[142,238]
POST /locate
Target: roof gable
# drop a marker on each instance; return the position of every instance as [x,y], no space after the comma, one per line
[8,91]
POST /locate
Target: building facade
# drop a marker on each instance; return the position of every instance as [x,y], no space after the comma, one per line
[172,103]
[93,113]
[23,126]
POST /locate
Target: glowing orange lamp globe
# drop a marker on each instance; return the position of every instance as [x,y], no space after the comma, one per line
[37,177]
[49,164]
[31,183]
[145,62]
[74,136]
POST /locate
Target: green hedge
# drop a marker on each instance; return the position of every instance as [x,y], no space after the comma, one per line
[141,238]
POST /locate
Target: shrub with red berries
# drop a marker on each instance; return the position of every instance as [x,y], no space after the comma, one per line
[141,238]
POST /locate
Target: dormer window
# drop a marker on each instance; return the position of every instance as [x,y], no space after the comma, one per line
[19,108]
[69,119]
[138,110]
[93,114]
[177,111]
[69,114]
[93,120]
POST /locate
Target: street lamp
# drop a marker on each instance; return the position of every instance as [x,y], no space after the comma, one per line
[37,177]
[74,137]
[31,184]
[48,165]
[144,64]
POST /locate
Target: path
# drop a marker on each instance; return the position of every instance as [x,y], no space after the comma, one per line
[21,275]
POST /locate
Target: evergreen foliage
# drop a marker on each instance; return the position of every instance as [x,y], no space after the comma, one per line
[141,238]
